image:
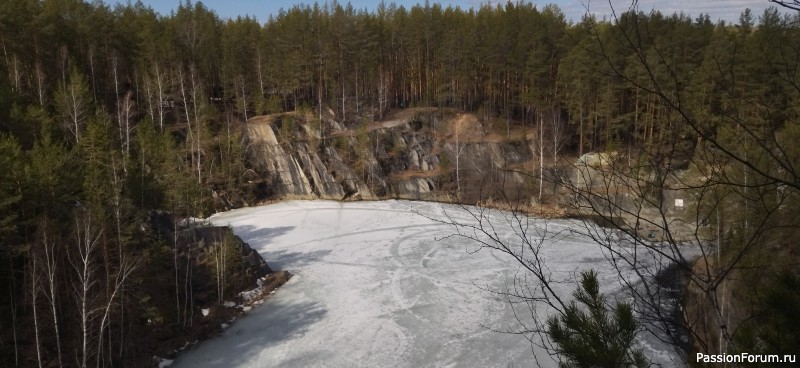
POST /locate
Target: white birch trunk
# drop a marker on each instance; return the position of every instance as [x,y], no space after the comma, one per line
[197,130]
[126,268]
[161,107]
[541,156]
[187,113]
[34,297]
[50,264]
[85,270]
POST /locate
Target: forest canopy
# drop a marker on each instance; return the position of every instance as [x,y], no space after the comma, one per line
[110,113]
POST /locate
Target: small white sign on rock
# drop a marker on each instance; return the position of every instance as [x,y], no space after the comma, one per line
[679,203]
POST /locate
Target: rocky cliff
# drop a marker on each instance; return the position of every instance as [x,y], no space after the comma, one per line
[421,153]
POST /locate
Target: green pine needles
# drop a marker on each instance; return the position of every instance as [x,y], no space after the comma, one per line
[596,337]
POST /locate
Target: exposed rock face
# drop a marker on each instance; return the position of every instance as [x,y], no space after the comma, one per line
[200,243]
[203,238]
[414,188]
[599,160]
[348,181]
[324,184]
[283,170]
[402,157]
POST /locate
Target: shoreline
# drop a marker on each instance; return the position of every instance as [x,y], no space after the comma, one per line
[218,318]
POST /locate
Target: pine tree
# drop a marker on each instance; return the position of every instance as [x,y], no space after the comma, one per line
[597,337]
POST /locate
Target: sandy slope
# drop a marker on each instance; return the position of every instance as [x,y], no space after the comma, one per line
[374,288]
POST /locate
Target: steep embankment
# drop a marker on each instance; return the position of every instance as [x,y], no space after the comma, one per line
[222,276]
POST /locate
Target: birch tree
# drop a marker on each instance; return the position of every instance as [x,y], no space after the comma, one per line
[125,110]
[34,290]
[86,241]
[156,88]
[125,269]
[51,256]
[458,150]
[74,103]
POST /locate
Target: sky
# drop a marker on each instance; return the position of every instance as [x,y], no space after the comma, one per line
[728,10]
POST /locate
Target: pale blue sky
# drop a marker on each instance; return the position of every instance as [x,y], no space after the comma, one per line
[718,9]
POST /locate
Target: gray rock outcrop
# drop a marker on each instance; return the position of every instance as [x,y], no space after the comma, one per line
[402,158]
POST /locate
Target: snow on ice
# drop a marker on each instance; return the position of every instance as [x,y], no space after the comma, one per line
[373,287]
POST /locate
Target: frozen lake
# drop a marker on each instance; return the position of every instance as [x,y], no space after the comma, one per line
[373,287]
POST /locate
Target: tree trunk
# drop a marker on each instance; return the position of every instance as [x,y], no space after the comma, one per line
[244,98]
[84,268]
[118,189]
[197,130]
[191,136]
[175,264]
[161,102]
[50,264]
[541,156]
[125,269]
[120,124]
[458,155]
[40,88]
[14,325]
[34,297]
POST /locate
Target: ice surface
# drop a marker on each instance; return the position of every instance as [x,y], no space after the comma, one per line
[373,287]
